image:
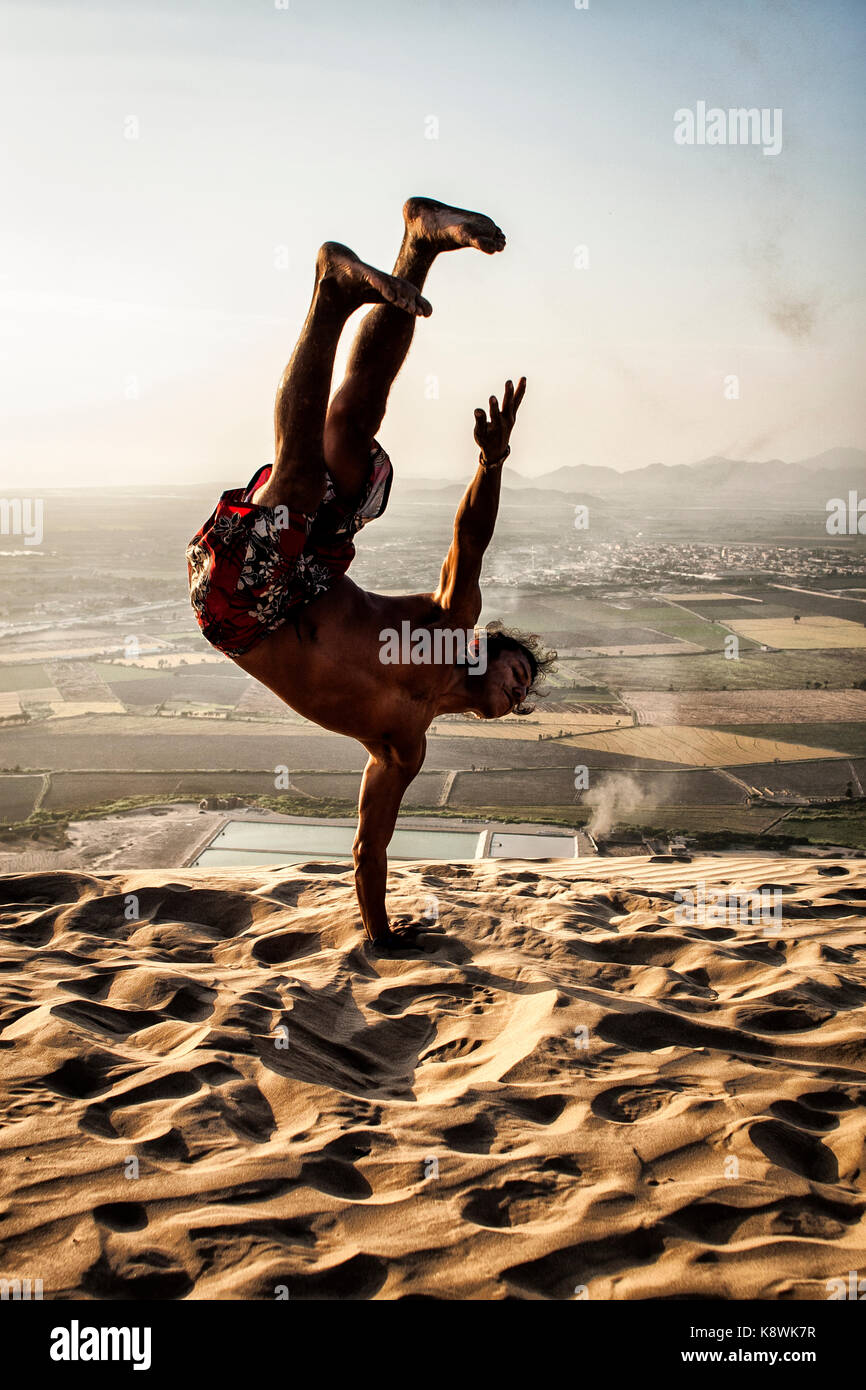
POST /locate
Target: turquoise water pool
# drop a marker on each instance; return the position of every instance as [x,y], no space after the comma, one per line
[243,843]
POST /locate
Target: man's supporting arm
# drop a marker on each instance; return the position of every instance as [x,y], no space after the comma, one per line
[386,778]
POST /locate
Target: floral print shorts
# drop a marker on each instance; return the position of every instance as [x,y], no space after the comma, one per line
[251,567]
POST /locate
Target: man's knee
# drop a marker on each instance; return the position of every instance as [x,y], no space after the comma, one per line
[354,415]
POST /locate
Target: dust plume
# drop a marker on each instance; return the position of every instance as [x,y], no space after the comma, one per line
[612,800]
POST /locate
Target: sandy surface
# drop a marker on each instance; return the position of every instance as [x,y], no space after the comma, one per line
[567,1090]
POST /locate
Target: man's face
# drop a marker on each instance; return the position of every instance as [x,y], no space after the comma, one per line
[504,685]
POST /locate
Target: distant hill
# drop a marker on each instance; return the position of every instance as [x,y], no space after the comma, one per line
[775,483]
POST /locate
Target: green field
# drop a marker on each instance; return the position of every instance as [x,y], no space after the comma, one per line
[113,673]
[686,628]
[841,825]
[33,677]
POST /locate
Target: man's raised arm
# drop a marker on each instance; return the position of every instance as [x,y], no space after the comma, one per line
[459,590]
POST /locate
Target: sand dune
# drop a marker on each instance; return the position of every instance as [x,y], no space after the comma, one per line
[568,1093]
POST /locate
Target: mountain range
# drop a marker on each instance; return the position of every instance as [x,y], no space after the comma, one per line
[734,482]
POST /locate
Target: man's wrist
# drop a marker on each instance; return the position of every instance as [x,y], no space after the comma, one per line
[494,463]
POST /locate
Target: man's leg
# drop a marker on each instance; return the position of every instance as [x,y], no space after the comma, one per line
[343,284]
[384,337]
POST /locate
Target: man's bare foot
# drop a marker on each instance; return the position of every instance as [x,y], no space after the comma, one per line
[398,939]
[339,267]
[450,228]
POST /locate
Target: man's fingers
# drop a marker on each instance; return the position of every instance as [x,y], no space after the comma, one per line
[520,392]
[494,411]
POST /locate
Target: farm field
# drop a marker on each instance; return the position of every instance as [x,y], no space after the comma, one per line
[695,820]
[726,708]
[532,725]
[636,649]
[829,778]
[690,598]
[72,791]
[555,786]
[686,627]
[844,829]
[28,676]
[747,609]
[18,796]
[575,624]
[811,632]
[755,670]
[847,738]
[697,747]
[800,600]
[137,742]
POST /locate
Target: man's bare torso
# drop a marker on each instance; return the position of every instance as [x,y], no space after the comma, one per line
[327,665]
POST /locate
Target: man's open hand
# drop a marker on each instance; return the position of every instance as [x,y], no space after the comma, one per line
[492,435]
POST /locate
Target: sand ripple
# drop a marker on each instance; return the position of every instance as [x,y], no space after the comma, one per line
[568,1090]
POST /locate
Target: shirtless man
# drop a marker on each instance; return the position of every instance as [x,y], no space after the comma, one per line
[268,569]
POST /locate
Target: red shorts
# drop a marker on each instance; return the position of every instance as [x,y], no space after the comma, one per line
[250,567]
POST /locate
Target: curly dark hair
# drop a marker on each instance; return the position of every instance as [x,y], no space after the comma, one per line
[541,659]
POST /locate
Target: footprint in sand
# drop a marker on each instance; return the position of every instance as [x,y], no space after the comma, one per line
[98,1118]
[146,1274]
[361,1276]
[628,1105]
[538,1110]
[802,1116]
[90,986]
[516,1203]
[121,1216]
[833,1100]
[797,1018]
[83,1077]
[336,1178]
[474,1137]
[799,1153]
[449,999]
[555,1274]
[109,1022]
[280,947]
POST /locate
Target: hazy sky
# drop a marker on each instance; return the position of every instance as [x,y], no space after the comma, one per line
[152,287]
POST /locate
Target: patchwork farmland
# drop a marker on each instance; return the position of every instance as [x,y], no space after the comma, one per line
[722,704]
